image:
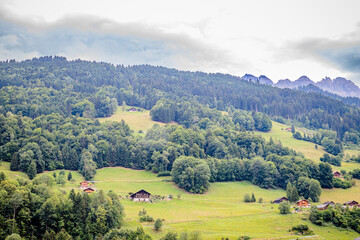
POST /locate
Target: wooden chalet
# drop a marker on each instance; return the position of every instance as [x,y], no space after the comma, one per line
[132,109]
[351,204]
[141,196]
[303,203]
[288,129]
[337,174]
[89,190]
[325,205]
[280,200]
[84,184]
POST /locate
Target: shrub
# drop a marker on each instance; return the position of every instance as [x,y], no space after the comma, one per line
[164,174]
[158,224]
[247,198]
[284,208]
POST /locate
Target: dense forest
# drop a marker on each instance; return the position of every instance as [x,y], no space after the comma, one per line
[53,84]
[49,108]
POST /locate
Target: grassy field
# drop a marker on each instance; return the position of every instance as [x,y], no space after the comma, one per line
[307,148]
[136,120]
[219,213]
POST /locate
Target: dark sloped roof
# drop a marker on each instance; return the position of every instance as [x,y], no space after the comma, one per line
[141,191]
[280,198]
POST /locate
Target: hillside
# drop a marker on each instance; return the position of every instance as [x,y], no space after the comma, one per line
[224,214]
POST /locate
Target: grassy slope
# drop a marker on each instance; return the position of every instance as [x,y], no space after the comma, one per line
[218,213]
[307,148]
[136,120]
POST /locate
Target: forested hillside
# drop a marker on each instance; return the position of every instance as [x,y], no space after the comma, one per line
[48,106]
[53,84]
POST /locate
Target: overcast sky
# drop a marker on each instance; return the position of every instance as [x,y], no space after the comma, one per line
[280,39]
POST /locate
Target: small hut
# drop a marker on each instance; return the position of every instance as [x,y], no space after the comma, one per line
[303,203]
[280,200]
[132,109]
[337,174]
[141,196]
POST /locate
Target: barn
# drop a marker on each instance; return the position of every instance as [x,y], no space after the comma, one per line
[325,205]
[141,196]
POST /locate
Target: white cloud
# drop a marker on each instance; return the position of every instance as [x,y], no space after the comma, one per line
[234,37]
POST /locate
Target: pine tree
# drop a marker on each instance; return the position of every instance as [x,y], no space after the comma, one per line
[31,172]
[294,194]
[69,176]
[253,199]
[289,190]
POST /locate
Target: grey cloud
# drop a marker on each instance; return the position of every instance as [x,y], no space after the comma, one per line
[342,53]
[103,39]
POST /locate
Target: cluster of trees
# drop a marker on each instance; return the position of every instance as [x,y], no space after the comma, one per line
[189,113]
[194,174]
[326,138]
[33,210]
[333,160]
[339,216]
[51,142]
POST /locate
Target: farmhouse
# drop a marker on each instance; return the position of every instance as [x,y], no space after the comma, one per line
[280,200]
[303,203]
[89,190]
[132,109]
[337,174]
[325,205]
[351,204]
[141,196]
[84,184]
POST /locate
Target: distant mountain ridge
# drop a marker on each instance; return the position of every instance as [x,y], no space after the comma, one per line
[340,86]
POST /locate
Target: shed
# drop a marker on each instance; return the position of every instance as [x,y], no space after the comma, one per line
[280,200]
[132,109]
[141,196]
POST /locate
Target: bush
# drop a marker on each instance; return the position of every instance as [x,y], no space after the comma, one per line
[302,229]
[338,183]
[164,174]
[158,224]
[247,198]
[284,208]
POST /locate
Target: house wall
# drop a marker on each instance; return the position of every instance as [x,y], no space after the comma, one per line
[136,199]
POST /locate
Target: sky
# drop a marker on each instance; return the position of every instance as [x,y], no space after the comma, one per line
[278,38]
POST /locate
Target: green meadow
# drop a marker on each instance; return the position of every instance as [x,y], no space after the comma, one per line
[220,212]
[140,120]
[278,133]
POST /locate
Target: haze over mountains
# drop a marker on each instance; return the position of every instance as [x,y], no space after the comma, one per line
[340,86]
